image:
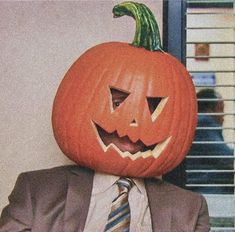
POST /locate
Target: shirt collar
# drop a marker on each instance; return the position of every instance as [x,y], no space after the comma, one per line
[103,181]
[139,184]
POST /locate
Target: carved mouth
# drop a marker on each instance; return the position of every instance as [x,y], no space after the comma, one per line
[144,151]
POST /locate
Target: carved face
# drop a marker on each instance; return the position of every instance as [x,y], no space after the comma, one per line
[125,143]
[125,111]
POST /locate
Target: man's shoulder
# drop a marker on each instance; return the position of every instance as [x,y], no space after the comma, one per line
[182,191]
[178,192]
[56,176]
[52,172]
[52,182]
[181,199]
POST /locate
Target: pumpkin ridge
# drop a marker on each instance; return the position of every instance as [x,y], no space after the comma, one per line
[64,97]
[88,105]
[191,123]
[81,84]
[176,159]
[192,101]
[173,157]
[178,134]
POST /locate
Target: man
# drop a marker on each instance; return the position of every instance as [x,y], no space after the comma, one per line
[213,133]
[72,198]
[119,187]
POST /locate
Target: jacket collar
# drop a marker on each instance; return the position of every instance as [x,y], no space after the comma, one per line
[159,199]
[80,182]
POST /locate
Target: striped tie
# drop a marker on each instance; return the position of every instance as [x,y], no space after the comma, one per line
[119,217]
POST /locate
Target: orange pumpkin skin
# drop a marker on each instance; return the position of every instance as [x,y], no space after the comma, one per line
[83,100]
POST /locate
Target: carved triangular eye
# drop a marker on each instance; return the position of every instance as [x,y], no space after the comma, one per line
[153,102]
[156,105]
[117,97]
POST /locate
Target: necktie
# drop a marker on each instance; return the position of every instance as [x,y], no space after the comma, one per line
[119,217]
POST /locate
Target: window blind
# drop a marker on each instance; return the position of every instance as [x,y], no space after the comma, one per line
[210,58]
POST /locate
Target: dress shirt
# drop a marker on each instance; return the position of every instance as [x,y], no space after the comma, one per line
[104,191]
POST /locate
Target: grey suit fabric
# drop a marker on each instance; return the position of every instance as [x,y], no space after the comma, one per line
[57,200]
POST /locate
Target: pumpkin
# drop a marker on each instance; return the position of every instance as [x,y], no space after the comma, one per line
[157,110]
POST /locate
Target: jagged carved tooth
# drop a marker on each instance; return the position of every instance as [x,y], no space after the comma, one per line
[110,145]
[116,148]
[146,154]
[120,133]
[160,147]
[104,147]
[135,156]
[126,154]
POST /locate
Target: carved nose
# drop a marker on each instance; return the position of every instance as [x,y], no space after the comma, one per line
[134,123]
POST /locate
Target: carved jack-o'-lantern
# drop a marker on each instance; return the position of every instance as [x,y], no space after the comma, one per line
[126,109]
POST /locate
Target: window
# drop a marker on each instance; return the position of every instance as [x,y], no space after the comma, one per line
[210,52]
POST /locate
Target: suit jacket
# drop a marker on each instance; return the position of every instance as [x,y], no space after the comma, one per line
[57,200]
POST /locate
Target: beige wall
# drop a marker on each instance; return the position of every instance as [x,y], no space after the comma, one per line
[38,43]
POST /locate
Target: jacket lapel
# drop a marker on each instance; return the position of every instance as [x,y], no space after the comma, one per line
[77,202]
[159,197]
[80,182]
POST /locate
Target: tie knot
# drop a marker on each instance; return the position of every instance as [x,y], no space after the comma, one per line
[124,184]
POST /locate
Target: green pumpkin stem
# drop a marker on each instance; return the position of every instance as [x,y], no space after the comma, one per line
[147,33]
